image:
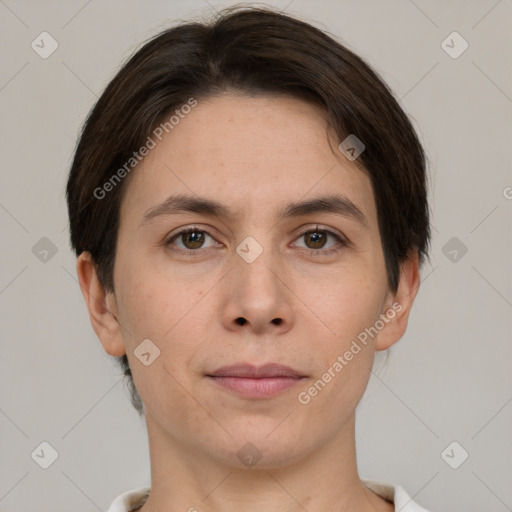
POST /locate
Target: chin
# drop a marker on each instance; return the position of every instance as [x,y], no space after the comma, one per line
[267,445]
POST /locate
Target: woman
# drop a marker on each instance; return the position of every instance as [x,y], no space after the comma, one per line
[248,207]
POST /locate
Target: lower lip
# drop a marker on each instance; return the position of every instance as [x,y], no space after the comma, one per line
[257,388]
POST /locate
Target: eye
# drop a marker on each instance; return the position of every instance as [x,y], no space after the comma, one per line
[192,239]
[316,239]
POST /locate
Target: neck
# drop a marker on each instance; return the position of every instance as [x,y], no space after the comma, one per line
[184,479]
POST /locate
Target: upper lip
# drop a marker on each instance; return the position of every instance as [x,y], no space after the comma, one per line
[254,372]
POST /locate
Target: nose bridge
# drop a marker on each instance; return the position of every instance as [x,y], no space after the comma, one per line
[257,263]
[257,293]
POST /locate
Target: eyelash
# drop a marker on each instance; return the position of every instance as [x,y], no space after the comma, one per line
[343,242]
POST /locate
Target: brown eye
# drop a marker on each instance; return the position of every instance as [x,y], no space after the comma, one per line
[317,239]
[192,239]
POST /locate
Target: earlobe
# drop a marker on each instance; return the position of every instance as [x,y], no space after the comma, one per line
[101,306]
[399,304]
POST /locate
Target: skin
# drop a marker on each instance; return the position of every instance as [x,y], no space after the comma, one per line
[255,155]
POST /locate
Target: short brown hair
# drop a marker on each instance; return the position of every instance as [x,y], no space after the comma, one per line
[254,51]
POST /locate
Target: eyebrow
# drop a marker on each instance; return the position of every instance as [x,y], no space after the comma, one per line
[336,204]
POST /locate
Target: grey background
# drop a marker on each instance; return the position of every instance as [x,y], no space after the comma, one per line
[449,379]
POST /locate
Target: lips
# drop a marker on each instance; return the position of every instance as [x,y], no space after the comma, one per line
[252,372]
[253,382]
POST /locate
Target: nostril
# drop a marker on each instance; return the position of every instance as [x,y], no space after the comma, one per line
[277,321]
[240,321]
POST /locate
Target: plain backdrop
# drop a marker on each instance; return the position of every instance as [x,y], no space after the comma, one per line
[447,381]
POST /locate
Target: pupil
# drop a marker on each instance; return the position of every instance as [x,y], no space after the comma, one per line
[196,239]
[316,236]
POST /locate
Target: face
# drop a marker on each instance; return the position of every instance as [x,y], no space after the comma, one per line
[253,283]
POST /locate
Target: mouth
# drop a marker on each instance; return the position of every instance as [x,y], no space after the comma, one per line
[256,382]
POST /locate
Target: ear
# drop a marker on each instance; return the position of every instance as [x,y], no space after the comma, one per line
[398,305]
[101,306]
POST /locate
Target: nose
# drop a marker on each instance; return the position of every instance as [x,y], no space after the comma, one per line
[256,296]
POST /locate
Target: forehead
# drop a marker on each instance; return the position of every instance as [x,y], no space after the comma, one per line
[254,153]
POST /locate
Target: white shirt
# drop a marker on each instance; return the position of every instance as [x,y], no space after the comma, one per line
[133,499]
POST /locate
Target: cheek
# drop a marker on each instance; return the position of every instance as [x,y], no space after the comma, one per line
[343,361]
[172,316]
[151,304]
[174,322]
[346,304]
[344,348]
